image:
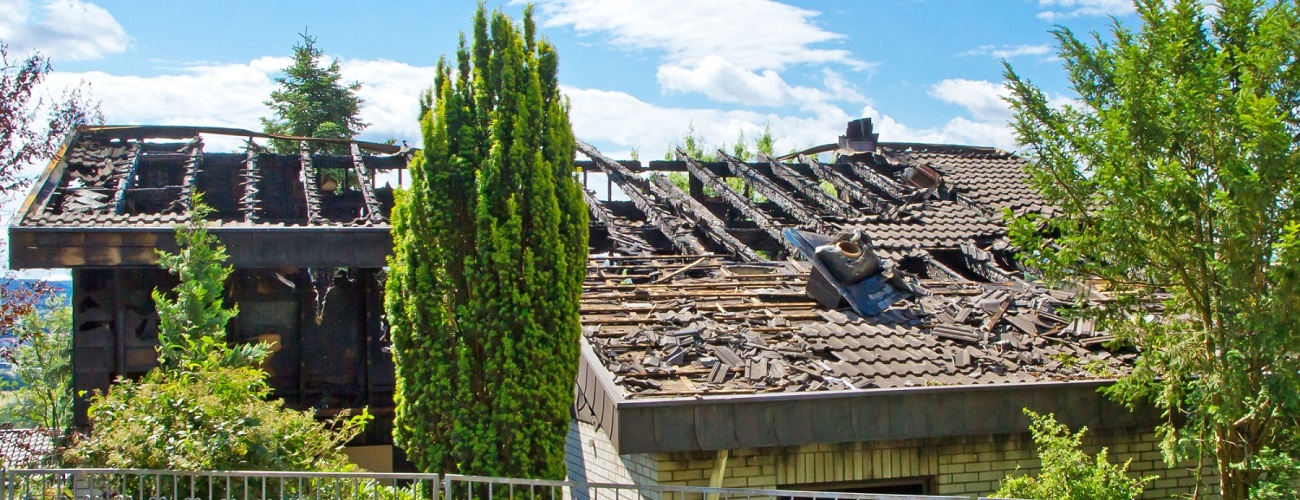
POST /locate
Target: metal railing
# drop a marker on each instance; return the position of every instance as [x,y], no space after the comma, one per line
[137,484]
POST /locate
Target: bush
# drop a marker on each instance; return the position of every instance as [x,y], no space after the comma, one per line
[1068,473]
[218,418]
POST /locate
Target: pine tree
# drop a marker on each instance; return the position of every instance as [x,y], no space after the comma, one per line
[313,101]
[490,254]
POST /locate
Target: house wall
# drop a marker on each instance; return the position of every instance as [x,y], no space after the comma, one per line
[962,466]
[332,361]
[591,458]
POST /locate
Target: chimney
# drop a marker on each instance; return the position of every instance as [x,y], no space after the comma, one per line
[858,138]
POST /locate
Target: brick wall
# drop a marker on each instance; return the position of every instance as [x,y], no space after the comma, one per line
[591,458]
[966,466]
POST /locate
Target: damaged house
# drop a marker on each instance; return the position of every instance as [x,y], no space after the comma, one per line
[858,324]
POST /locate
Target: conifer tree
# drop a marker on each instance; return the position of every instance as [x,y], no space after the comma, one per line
[313,101]
[490,253]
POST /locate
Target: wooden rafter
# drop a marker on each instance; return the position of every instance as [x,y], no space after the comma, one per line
[676,230]
[873,202]
[251,177]
[365,178]
[309,185]
[193,165]
[767,188]
[810,189]
[710,224]
[889,187]
[738,202]
[126,179]
[618,232]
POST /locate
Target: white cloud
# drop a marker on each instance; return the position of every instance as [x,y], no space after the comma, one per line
[981,98]
[391,91]
[619,121]
[1065,9]
[68,29]
[730,51]
[722,81]
[751,34]
[1005,51]
[956,131]
[233,95]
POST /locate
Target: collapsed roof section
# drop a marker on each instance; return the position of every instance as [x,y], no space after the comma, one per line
[112,195]
[730,312]
[737,320]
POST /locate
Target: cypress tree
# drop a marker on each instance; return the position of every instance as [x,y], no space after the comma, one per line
[490,253]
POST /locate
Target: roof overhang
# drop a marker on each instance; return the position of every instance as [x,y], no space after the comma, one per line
[706,423]
[249,247]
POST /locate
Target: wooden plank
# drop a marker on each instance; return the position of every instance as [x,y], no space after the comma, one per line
[678,271]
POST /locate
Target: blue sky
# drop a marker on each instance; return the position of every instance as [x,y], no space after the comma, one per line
[638,73]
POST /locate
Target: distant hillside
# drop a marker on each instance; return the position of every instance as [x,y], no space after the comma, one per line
[63,287]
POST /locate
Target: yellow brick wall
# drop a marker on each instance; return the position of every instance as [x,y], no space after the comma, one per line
[965,466]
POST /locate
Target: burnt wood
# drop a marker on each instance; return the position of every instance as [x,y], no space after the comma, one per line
[677,231]
[736,201]
[771,191]
[810,189]
[251,177]
[193,163]
[872,202]
[309,184]
[365,180]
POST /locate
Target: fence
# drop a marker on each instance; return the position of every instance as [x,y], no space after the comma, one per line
[134,484]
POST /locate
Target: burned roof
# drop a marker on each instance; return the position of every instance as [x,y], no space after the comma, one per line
[113,194]
[700,289]
[714,295]
[745,329]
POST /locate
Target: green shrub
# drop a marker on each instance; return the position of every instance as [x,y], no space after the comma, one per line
[1068,473]
[218,418]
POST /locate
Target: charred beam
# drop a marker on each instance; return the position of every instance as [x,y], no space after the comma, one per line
[871,201]
[700,215]
[252,180]
[309,185]
[126,178]
[738,202]
[810,189]
[767,188]
[617,231]
[889,187]
[366,178]
[193,164]
[675,229]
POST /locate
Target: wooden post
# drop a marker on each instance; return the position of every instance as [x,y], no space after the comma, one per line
[719,472]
